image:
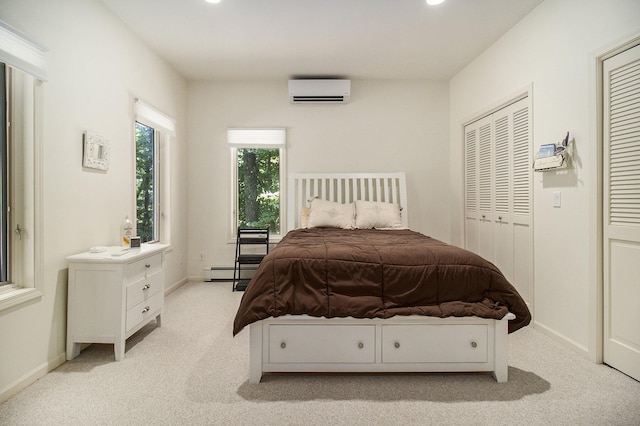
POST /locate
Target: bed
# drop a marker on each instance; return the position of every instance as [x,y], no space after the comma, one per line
[355,290]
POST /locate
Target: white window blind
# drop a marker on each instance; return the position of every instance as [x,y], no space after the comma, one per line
[256,138]
[21,52]
[146,114]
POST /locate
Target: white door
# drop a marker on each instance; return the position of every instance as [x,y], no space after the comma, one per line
[478,203]
[621,211]
[485,188]
[498,193]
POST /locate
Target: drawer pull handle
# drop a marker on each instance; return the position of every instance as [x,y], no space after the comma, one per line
[147,265]
[360,345]
[146,287]
[283,345]
[474,345]
[396,345]
[146,309]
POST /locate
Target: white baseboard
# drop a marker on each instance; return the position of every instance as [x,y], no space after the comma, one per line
[564,340]
[173,287]
[31,377]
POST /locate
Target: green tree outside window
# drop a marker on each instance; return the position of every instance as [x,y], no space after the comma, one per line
[145,182]
[259,189]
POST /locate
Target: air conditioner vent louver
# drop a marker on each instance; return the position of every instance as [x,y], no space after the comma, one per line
[318,99]
[319,91]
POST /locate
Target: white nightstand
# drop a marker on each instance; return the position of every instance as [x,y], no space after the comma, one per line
[111,296]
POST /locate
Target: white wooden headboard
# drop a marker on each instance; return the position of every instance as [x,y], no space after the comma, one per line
[344,188]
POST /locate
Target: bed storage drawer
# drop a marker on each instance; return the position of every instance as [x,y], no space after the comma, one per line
[319,344]
[434,344]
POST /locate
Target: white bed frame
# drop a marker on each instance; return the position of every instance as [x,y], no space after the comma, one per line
[299,343]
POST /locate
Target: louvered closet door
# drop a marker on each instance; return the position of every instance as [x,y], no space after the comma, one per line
[621,211]
[479,187]
[503,228]
[521,196]
[512,196]
[498,193]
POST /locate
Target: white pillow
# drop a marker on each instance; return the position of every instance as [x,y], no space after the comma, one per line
[304,217]
[323,213]
[373,214]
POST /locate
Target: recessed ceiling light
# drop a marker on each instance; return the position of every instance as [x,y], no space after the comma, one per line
[213,1]
[434,2]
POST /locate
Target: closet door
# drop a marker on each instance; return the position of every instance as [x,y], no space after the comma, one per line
[498,193]
[485,189]
[478,186]
[502,225]
[522,201]
[471,187]
[621,211]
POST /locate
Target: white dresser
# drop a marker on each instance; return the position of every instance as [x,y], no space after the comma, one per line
[112,295]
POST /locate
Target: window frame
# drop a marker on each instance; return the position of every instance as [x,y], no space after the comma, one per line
[21,53]
[233,224]
[156,172]
[164,133]
[25,189]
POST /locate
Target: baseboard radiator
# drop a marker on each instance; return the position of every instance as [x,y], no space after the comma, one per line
[225,273]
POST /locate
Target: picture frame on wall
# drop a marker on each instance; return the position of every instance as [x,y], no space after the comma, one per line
[96,151]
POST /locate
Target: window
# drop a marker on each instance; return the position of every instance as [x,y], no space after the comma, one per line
[4,180]
[258,172]
[146,183]
[22,63]
[258,169]
[153,133]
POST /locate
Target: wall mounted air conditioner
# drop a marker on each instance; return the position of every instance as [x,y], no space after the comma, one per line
[306,91]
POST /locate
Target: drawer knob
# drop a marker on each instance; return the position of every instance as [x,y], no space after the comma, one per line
[147,265]
[360,345]
[474,345]
[396,345]
[146,287]
[283,345]
[146,309]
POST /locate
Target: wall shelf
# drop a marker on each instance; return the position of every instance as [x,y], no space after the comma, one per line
[559,161]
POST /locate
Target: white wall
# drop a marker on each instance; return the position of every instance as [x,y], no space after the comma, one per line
[552,49]
[387,126]
[95,68]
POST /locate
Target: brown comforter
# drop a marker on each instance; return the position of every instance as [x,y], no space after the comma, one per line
[326,272]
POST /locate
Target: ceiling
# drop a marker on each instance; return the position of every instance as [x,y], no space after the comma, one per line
[280,39]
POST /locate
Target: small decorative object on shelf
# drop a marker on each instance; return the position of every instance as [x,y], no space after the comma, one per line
[554,156]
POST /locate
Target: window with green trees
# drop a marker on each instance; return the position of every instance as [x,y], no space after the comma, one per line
[146,183]
[258,203]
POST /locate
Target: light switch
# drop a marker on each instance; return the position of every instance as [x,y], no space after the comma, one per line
[557,199]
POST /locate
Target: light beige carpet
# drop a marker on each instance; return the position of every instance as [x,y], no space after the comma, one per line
[191,371]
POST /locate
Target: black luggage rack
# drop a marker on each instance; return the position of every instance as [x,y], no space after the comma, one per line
[254,237]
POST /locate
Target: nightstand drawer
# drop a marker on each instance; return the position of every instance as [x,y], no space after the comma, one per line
[143,268]
[144,289]
[144,310]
